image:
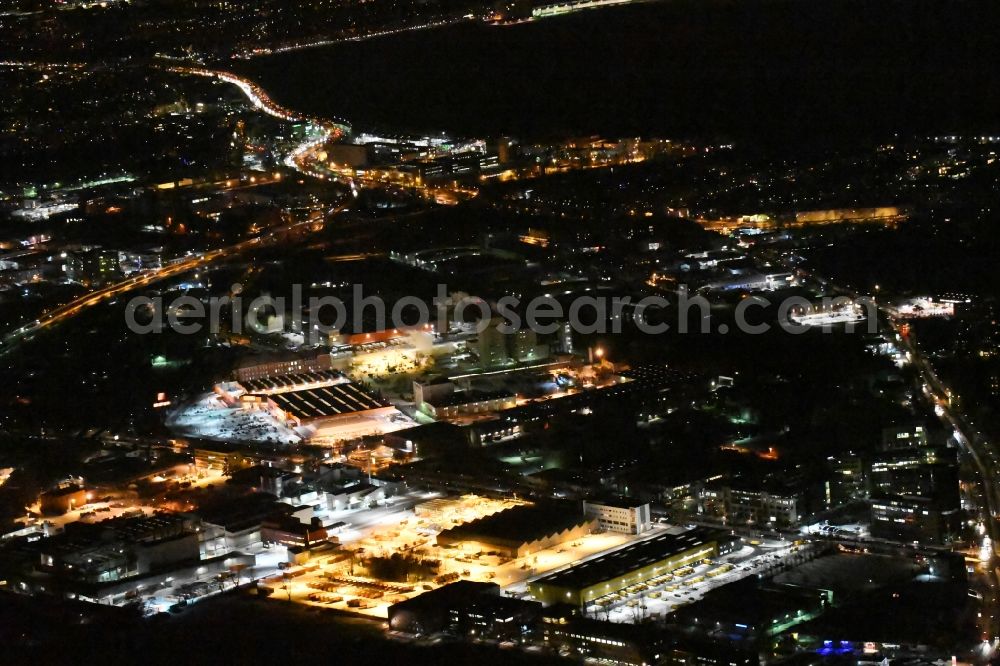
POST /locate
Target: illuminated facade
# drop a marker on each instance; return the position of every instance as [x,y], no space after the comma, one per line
[777,507]
[623,517]
[288,366]
[909,518]
[632,565]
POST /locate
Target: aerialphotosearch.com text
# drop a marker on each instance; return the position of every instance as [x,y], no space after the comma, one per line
[316,317]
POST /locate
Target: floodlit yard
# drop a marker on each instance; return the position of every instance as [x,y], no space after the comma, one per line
[209,418]
[332,583]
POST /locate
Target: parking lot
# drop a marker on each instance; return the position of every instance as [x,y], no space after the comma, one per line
[340,580]
[666,593]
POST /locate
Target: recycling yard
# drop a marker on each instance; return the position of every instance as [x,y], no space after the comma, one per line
[345,578]
[339,580]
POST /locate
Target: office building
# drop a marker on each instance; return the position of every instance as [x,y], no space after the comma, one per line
[744,502]
[910,518]
[498,349]
[924,471]
[624,516]
[900,436]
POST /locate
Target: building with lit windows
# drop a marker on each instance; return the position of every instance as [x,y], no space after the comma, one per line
[738,502]
[909,518]
[563,630]
[624,516]
[846,481]
[634,564]
[283,366]
[93,268]
[469,403]
[914,489]
[897,437]
[322,400]
[602,642]
[925,471]
[110,561]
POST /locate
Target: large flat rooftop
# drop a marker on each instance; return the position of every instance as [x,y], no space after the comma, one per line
[628,559]
[326,401]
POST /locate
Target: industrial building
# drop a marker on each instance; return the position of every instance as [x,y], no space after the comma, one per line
[624,516]
[647,389]
[428,440]
[925,471]
[445,510]
[466,608]
[318,405]
[775,503]
[326,402]
[565,631]
[289,364]
[63,499]
[629,566]
[755,609]
[498,348]
[442,399]
[601,642]
[290,381]
[469,403]
[522,530]
[109,561]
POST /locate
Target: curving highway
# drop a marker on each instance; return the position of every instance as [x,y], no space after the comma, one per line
[297,159]
[59,314]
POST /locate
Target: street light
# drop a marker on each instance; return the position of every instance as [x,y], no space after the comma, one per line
[596,353]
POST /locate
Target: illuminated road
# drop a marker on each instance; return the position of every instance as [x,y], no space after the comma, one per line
[299,157]
[306,157]
[984,494]
[60,314]
[63,312]
[260,99]
[574,6]
[982,453]
[324,41]
[985,459]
